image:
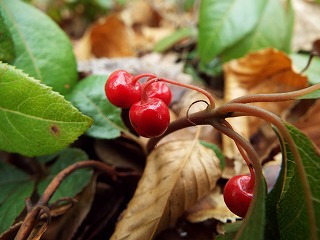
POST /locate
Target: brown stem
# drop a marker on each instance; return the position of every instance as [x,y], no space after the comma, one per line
[276,97]
[244,156]
[138,77]
[198,89]
[30,219]
[252,154]
[245,110]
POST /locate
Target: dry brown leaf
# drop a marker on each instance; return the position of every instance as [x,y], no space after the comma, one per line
[265,71]
[211,206]
[177,174]
[306,27]
[309,123]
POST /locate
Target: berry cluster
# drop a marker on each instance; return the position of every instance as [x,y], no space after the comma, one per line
[149,116]
[148,102]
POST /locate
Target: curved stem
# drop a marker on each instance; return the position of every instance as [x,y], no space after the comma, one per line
[252,154]
[277,121]
[29,221]
[276,97]
[244,155]
[138,77]
[198,89]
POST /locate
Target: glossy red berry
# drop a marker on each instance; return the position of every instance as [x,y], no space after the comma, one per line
[121,91]
[150,118]
[238,194]
[159,90]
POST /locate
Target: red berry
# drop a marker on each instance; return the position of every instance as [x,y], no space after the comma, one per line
[238,194]
[159,90]
[120,90]
[150,118]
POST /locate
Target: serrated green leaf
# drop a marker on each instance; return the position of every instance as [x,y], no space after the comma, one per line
[167,42]
[15,187]
[313,71]
[294,221]
[42,48]
[223,23]
[90,98]
[7,53]
[74,183]
[275,31]
[34,119]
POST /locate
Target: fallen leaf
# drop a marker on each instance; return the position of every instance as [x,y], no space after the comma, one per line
[306,28]
[211,206]
[265,71]
[177,174]
[309,123]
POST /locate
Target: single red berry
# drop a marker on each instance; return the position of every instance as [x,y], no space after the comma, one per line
[150,117]
[238,194]
[121,91]
[159,90]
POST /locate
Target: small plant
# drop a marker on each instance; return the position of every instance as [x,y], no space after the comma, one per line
[240,190]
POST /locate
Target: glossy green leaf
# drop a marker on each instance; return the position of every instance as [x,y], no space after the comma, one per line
[7,53]
[294,221]
[34,119]
[73,184]
[274,29]
[223,23]
[42,48]
[167,42]
[15,187]
[90,98]
[313,72]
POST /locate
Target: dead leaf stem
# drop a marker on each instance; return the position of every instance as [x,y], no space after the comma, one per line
[33,213]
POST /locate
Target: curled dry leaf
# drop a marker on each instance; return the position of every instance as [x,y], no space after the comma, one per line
[265,71]
[177,174]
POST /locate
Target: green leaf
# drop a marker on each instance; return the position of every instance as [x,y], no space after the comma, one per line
[223,23]
[73,184]
[15,187]
[167,42]
[90,98]
[313,71]
[7,53]
[294,221]
[275,31]
[34,119]
[42,48]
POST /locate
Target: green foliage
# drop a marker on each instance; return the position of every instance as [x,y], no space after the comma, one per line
[74,183]
[170,40]
[294,221]
[235,27]
[90,98]
[15,187]
[223,23]
[7,53]
[42,49]
[34,119]
[313,71]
